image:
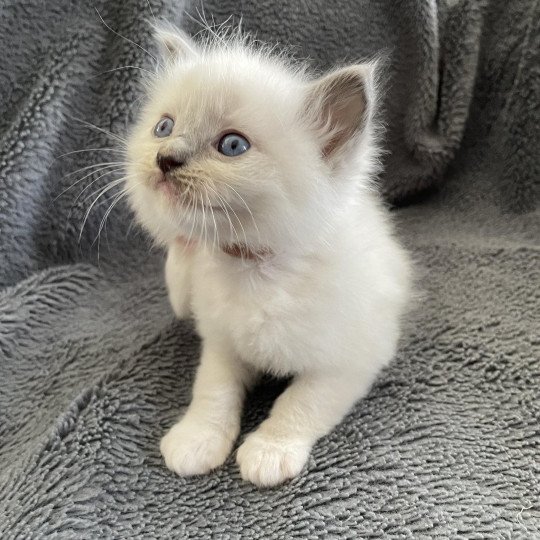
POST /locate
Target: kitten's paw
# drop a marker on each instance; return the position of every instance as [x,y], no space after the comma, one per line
[191,448]
[267,462]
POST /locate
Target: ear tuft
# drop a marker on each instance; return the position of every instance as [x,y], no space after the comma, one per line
[174,44]
[338,105]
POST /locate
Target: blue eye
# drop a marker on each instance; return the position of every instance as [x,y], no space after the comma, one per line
[233,145]
[164,127]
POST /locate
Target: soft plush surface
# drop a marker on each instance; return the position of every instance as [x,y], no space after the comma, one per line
[94,368]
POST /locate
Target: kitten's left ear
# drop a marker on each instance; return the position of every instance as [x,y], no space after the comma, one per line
[339,106]
[174,44]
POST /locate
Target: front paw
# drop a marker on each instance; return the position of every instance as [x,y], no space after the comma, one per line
[191,448]
[267,462]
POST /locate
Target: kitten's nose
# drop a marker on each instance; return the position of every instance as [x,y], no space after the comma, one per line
[168,163]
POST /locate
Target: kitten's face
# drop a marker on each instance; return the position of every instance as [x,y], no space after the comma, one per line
[222,152]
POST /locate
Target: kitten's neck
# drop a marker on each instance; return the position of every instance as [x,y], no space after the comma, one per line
[293,248]
[238,251]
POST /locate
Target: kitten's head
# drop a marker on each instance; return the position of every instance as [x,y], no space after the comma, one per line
[237,145]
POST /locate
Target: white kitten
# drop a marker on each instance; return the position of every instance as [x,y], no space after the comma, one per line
[257,178]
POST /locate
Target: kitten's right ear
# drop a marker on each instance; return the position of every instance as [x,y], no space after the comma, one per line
[174,44]
[339,106]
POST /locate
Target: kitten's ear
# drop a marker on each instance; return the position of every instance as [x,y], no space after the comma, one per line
[339,106]
[174,44]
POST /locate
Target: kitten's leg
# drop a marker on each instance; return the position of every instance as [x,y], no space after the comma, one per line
[308,409]
[178,278]
[203,438]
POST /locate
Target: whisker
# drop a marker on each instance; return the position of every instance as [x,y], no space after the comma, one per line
[214,220]
[192,216]
[118,69]
[248,209]
[130,226]
[229,217]
[237,219]
[94,166]
[151,11]
[204,220]
[101,193]
[103,175]
[136,102]
[98,237]
[126,38]
[101,130]
[86,176]
[103,222]
[110,184]
[107,149]
[115,201]
[221,202]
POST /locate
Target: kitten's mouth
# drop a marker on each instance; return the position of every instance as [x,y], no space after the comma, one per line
[177,193]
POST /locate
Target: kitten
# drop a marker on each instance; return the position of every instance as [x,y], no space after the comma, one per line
[258,178]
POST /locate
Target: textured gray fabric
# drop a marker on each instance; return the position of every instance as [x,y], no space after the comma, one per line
[94,368]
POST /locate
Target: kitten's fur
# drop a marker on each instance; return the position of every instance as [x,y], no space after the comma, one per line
[321,288]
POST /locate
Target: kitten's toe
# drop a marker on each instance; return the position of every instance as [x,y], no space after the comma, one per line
[268,462]
[195,448]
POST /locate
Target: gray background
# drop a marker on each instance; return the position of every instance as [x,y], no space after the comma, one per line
[94,368]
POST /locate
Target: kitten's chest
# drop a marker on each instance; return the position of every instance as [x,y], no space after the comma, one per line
[263,318]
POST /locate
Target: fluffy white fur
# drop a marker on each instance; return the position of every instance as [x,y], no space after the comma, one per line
[322,297]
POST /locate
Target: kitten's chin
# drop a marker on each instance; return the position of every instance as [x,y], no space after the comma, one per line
[168,214]
[172,197]
[170,192]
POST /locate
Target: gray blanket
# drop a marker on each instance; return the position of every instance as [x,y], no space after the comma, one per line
[94,367]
